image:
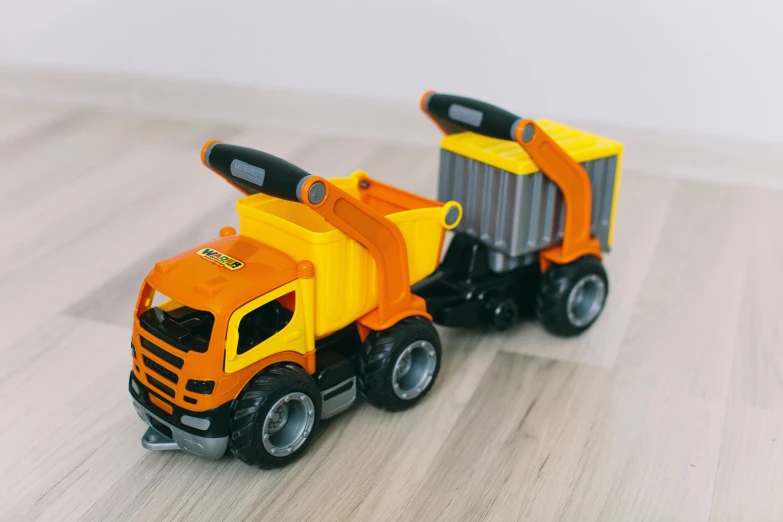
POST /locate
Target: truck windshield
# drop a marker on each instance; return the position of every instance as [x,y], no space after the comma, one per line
[182,327]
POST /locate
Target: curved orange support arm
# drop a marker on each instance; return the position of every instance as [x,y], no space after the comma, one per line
[573,181]
[386,245]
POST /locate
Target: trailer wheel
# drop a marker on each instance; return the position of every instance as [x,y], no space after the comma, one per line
[399,365]
[275,417]
[572,296]
[502,313]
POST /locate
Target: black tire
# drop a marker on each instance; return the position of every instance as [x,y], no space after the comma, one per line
[381,353]
[250,412]
[502,313]
[555,290]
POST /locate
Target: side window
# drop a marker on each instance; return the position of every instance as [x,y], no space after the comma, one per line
[265,321]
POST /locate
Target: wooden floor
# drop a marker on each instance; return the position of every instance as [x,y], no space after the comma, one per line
[669,408]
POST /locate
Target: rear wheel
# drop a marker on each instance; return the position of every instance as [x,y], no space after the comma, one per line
[399,365]
[572,296]
[275,417]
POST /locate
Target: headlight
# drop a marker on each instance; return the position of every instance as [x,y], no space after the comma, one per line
[204,387]
[195,422]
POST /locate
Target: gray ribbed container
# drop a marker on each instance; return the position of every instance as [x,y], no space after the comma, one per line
[518,215]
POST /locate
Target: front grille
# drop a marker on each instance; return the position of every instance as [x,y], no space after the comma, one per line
[163,354]
[159,385]
[161,370]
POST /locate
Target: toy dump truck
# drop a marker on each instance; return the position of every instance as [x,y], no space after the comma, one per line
[539,200]
[246,342]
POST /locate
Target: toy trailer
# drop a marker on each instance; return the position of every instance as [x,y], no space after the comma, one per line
[539,200]
[265,333]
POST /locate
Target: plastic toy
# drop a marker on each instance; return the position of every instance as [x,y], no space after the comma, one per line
[539,201]
[267,332]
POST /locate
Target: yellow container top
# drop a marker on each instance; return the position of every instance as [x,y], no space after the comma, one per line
[509,155]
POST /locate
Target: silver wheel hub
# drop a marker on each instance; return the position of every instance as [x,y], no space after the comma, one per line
[278,418]
[586,300]
[414,370]
[288,424]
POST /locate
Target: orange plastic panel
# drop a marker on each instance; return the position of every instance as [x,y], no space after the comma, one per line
[388,199]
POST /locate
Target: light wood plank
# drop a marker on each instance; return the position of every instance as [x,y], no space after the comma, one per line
[683,331]
[105,251]
[560,442]
[66,431]
[749,481]
[19,122]
[83,143]
[127,180]
[758,362]
[114,300]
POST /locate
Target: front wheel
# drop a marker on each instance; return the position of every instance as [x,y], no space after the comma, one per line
[399,365]
[572,296]
[275,417]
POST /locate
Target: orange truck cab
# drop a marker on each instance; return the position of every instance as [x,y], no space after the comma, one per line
[246,342]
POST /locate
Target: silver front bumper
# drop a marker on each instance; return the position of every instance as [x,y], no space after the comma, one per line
[208,447]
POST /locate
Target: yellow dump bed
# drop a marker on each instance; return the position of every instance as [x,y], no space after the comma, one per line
[345,272]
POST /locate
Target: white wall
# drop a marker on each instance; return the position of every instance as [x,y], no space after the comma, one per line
[695,66]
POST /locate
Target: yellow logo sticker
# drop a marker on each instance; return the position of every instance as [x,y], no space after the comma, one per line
[220,258]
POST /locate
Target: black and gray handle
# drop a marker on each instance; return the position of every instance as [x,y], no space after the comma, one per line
[254,171]
[459,114]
